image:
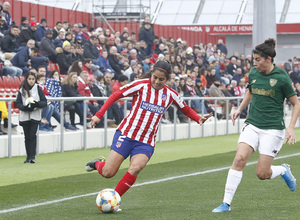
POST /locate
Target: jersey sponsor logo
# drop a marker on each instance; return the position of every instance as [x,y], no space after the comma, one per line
[273,82]
[264,92]
[164,97]
[152,107]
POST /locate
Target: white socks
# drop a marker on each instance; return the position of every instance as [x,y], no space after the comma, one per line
[277,170]
[233,180]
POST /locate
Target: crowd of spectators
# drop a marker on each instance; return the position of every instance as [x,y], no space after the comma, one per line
[96,61]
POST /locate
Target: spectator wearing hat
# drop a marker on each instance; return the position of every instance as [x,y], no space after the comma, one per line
[153,59]
[3,27]
[56,29]
[64,58]
[22,58]
[27,34]
[84,32]
[110,43]
[60,39]
[9,42]
[79,40]
[47,46]
[103,62]
[90,48]
[24,22]
[147,35]
[41,30]
[131,69]
[124,36]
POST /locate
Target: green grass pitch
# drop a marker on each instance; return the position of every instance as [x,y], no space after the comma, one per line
[184,180]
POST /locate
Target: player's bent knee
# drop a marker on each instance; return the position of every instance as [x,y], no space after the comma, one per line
[239,161]
[108,173]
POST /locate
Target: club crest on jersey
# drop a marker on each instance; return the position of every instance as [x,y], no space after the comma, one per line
[152,107]
[273,82]
[164,97]
[253,81]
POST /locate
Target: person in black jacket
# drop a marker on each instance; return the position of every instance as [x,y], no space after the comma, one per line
[27,33]
[65,59]
[9,42]
[147,35]
[22,58]
[30,112]
[69,89]
[90,49]
[114,62]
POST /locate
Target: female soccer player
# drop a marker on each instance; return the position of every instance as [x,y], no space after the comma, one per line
[136,134]
[264,129]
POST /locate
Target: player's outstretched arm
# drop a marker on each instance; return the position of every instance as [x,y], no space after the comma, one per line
[204,118]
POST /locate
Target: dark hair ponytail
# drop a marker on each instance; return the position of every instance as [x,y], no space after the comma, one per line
[266,49]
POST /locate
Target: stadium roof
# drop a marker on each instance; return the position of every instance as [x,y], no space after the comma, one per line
[185,12]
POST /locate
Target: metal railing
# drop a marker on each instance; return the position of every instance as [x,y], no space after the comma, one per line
[85,99]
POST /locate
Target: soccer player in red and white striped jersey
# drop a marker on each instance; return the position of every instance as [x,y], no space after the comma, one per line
[136,134]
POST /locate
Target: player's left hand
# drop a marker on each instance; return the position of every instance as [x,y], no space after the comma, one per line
[290,136]
[204,118]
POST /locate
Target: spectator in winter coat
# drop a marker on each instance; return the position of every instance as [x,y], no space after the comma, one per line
[147,35]
[114,62]
[90,48]
[60,39]
[64,59]
[22,58]
[9,42]
[27,34]
[41,30]
[47,46]
[103,62]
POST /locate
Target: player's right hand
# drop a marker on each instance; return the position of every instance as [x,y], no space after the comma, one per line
[235,115]
[95,120]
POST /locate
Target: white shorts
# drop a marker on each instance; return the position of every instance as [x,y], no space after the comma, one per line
[268,141]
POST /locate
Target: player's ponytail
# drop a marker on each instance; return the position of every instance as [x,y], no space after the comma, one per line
[266,49]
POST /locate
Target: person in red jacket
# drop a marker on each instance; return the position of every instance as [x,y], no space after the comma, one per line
[87,66]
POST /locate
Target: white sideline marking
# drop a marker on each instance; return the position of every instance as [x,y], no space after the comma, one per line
[138,184]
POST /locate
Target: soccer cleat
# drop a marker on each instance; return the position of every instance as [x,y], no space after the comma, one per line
[224,207]
[119,210]
[90,166]
[288,177]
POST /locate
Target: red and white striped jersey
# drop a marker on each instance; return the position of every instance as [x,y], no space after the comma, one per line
[148,107]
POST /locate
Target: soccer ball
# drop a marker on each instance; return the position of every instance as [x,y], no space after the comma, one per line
[108,201]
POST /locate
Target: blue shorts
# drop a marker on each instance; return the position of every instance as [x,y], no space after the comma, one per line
[126,146]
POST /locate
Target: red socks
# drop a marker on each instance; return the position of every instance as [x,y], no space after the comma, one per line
[99,165]
[125,183]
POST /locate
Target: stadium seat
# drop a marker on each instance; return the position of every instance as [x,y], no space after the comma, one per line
[2,89]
